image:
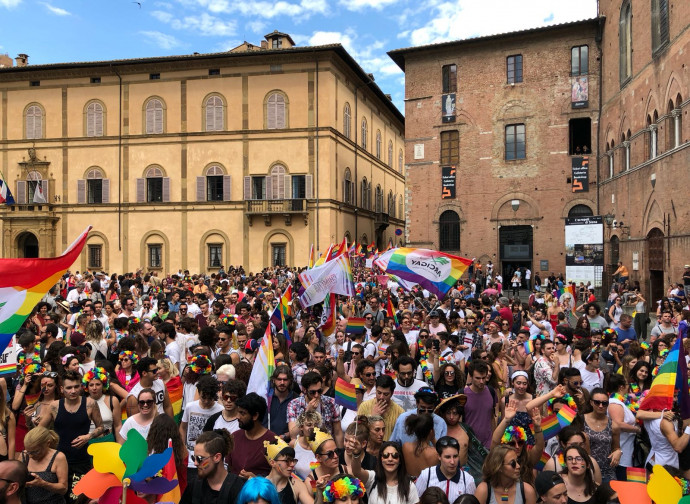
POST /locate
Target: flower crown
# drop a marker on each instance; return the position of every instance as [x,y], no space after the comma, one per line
[96,373]
[195,365]
[130,355]
[344,487]
[567,398]
[33,368]
[229,320]
[134,320]
[514,433]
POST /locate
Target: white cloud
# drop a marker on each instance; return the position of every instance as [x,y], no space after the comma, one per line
[204,24]
[332,37]
[10,3]
[163,17]
[162,40]
[460,19]
[55,10]
[299,11]
[358,5]
[256,26]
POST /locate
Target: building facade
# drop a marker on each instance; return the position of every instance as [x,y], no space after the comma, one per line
[239,158]
[496,127]
[645,140]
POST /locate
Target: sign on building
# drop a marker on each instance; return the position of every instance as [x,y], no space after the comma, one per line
[580,179]
[580,92]
[448,104]
[448,182]
[584,249]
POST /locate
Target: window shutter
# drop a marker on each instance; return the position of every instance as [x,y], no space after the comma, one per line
[166,189]
[201,188]
[278,186]
[105,190]
[149,118]
[663,21]
[226,188]
[98,120]
[288,187]
[90,120]
[158,118]
[21,192]
[271,112]
[308,186]
[210,122]
[218,115]
[81,191]
[44,187]
[141,190]
[247,188]
[269,187]
[280,112]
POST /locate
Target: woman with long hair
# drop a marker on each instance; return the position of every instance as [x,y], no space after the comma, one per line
[324,448]
[450,382]
[163,429]
[640,378]
[420,453]
[47,465]
[50,391]
[281,458]
[498,359]
[141,422]
[502,476]
[97,384]
[168,372]
[280,348]
[94,336]
[27,394]
[7,430]
[622,410]
[583,324]
[390,482]
[603,434]
[578,476]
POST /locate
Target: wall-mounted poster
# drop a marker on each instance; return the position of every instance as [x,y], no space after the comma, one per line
[448,104]
[584,249]
[580,92]
[448,182]
[580,174]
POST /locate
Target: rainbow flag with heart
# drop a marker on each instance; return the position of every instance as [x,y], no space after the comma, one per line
[24,282]
[436,271]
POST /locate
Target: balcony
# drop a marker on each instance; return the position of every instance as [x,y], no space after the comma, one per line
[286,208]
[380,220]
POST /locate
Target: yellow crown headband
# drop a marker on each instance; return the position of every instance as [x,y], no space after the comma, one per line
[273,448]
[318,438]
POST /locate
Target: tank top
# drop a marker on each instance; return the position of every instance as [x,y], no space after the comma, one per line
[600,445]
[661,451]
[106,413]
[519,498]
[287,495]
[36,495]
[69,426]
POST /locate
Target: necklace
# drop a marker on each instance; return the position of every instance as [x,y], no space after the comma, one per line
[504,495]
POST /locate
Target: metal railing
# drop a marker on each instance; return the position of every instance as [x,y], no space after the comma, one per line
[276,206]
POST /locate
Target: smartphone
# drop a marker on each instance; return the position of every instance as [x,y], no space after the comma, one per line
[436,343]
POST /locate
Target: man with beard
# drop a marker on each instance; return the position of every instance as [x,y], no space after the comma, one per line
[49,336]
[213,485]
[247,459]
[407,385]
[14,474]
[382,405]
[276,420]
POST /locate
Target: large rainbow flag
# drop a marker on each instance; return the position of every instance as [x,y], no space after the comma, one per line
[264,365]
[23,282]
[436,271]
[175,389]
[671,378]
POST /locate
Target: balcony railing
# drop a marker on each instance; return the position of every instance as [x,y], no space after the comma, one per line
[287,206]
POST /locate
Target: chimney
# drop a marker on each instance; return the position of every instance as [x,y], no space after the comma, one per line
[22,60]
[264,44]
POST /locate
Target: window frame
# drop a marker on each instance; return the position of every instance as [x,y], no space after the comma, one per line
[42,127]
[515,135]
[516,74]
[579,71]
[96,117]
[150,247]
[154,183]
[211,247]
[365,133]
[449,78]
[91,247]
[378,144]
[625,42]
[445,235]
[347,121]
[447,157]
[267,110]
[222,119]
[660,25]
[254,180]
[163,108]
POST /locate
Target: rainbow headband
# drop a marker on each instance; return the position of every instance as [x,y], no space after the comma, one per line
[514,433]
[195,365]
[33,368]
[344,487]
[96,373]
[130,355]
[567,397]
[228,320]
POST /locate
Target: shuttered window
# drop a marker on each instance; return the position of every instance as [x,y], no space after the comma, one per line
[347,121]
[378,144]
[379,199]
[450,78]
[154,187]
[214,114]
[390,154]
[94,119]
[348,188]
[276,111]
[155,117]
[659,24]
[34,122]
[364,191]
[276,184]
[625,42]
[400,161]
[365,131]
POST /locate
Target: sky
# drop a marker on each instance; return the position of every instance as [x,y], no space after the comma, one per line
[53,31]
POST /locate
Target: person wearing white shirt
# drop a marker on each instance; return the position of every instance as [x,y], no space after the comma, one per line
[592,377]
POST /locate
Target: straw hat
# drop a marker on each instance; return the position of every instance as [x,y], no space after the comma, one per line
[461,398]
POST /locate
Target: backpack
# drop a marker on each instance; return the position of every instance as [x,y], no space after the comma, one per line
[531,381]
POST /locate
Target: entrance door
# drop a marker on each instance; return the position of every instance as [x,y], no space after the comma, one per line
[655,253]
[515,251]
[27,245]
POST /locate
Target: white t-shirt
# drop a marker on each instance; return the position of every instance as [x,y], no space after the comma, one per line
[172,352]
[196,417]
[591,380]
[130,424]
[158,387]
[404,396]
[392,496]
[231,426]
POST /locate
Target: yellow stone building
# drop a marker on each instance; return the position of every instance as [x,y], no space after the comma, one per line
[243,157]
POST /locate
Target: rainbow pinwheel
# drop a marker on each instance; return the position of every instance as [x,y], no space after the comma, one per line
[662,488]
[133,471]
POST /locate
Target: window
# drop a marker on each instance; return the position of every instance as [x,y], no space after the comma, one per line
[348,188]
[154,76]
[214,185]
[379,199]
[449,231]
[214,188]
[34,122]
[278,254]
[95,256]
[364,191]
[450,148]
[35,83]
[38,188]
[276,43]
[450,78]
[155,255]
[95,80]
[154,185]
[378,144]
[514,68]
[347,119]
[580,133]
[364,133]
[276,184]
[215,255]
[515,142]
[214,71]
[258,188]
[155,117]
[625,42]
[400,161]
[299,186]
[391,204]
[94,120]
[390,153]
[659,24]
[215,114]
[276,111]
[580,211]
[94,186]
[579,60]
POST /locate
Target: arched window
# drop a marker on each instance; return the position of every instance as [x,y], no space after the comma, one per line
[364,133]
[391,204]
[348,188]
[363,192]
[580,211]
[276,111]
[625,41]
[400,161]
[33,122]
[390,153]
[94,119]
[378,144]
[276,185]
[215,113]
[449,231]
[94,188]
[347,121]
[154,187]
[38,188]
[401,213]
[217,184]
[379,199]
[659,24]
[155,117]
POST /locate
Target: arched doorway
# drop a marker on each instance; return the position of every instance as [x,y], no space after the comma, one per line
[655,253]
[27,245]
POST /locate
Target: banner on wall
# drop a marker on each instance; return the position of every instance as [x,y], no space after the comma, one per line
[584,249]
[448,182]
[448,105]
[580,92]
[580,179]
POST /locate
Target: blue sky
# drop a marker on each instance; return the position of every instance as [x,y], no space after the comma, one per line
[51,31]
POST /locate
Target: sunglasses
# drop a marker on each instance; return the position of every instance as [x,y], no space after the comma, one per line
[513,463]
[575,383]
[288,460]
[329,454]
[446,442]
[356,353]
[394,455]
[222,339]
[147,403]
[600,403]
[449,373]
[229,397]
[425,410]
[198,459]
[368,375]
[50,374]
[368,318]
[313,393]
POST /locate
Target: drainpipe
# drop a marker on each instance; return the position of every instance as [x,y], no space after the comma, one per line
[119,164]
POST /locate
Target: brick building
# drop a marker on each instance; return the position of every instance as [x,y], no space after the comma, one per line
[494,126]
[644,149]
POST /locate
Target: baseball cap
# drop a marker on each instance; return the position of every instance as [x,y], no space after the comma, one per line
[545,481]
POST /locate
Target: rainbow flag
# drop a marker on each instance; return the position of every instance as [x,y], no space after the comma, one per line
[345,394]
[566,415]
[390,311]
[264,365]
[169,472]
[342,248]
[281,312]
[355,325]
[175,389]
[328,317]
[671,377]
[539,466]
[436,271]
[310,262]
[333,277]
[322,258]
[636,474]
[551,426]
[23,282]
[529,347]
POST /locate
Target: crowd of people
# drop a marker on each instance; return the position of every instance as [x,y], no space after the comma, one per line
[450,392]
